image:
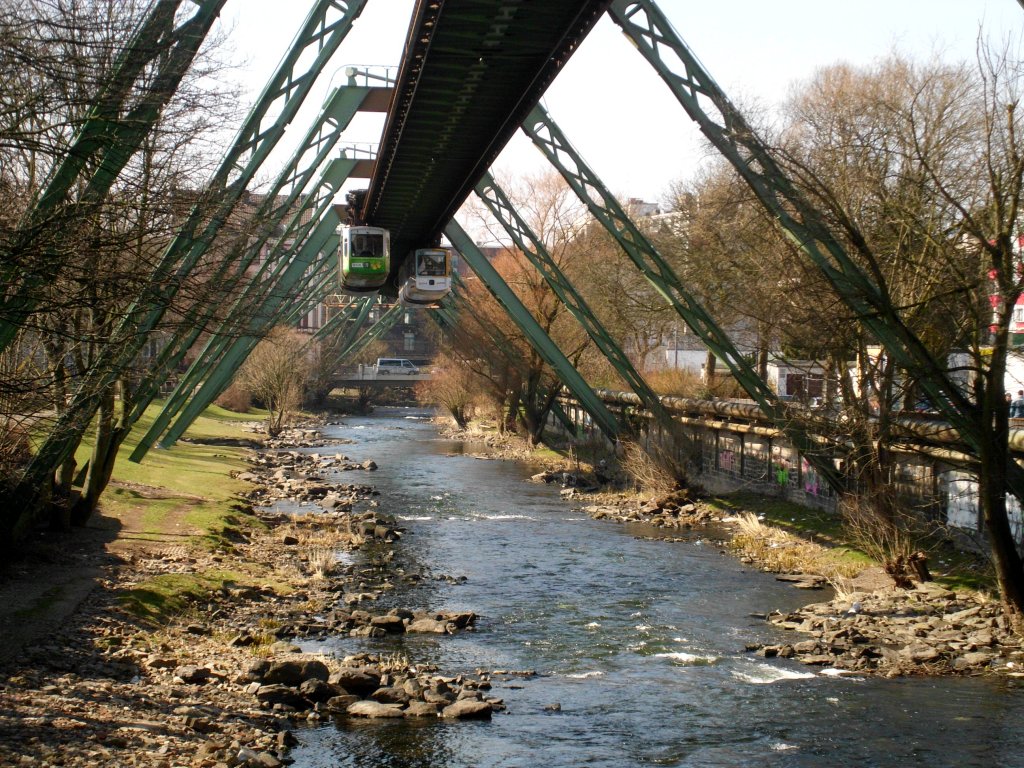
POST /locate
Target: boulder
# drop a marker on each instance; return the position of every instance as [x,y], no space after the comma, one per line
[317,690]
[427,626]
[192,675]
[421,709]
[282,694]
[374,709]
[341,703]
[393,625]
[296,672]
[358,681]
[390,695]
[467,709]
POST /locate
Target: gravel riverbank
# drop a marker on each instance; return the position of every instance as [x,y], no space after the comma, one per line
[222,683]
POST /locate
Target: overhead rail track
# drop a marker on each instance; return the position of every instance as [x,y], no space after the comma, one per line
[470,74]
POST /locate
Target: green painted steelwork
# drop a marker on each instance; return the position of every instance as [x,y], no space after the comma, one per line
[326,26]
[323,239]
[113,130]
[342,317]
[339,109]
[450,318]
[353,317]
[469,74]
[540,341]
[275,277]
[531,246]
[377,330]
[606,209]
[719,120]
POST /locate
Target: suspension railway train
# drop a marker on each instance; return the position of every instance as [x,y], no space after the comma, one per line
[365,261]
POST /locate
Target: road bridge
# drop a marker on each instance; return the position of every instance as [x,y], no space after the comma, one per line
[368,377]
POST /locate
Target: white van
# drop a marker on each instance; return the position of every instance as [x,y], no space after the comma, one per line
[393,366]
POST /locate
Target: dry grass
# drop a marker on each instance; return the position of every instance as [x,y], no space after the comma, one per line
[778,551]
[321,562]
[683,383]
[653,470]
[320,545]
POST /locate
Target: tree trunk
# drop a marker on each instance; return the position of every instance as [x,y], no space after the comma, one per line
[101,464]
[709,368]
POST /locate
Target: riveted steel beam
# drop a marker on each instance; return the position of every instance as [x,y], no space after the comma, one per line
[279,203]
[541,342]
[326,26]
[254,309]
[324,238]
[114,128]
[719,120]
[533,248]
[605,208]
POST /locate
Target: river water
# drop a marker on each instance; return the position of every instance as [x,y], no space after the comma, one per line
[639,640]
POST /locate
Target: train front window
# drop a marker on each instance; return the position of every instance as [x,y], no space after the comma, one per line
[368,244]
[431,264]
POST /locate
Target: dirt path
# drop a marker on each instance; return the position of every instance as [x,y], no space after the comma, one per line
[57,571]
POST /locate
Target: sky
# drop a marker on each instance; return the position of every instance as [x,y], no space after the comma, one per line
[611,104]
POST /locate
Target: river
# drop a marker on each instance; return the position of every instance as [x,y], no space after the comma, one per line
[638,640]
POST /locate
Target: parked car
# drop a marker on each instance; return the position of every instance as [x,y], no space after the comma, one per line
[394,366]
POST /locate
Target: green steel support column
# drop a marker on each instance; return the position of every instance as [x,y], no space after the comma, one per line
[338,111]
[386,323]
[112,132]
[707,105]
[258,291]
[216,374]
[527,241]
[354,317]
[211,391]
[447,320]
[241,316]
[342,318]
[606,209]
[540,341]
[726,128]
[325,28]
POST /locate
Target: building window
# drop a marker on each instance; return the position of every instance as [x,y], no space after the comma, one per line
[409,341]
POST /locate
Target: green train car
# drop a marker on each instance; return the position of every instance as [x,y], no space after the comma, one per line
[365,258]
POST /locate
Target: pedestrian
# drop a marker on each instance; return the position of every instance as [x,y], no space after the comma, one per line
[1017,406]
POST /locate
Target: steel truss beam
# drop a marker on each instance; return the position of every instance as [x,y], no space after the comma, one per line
[332,325]
[326,26]
[541,342]
[527,241]
[278,204]
[214,368]
[377,330]
[113,131]
[719,120]
[352,317]
[323,239]
[605,208]
[447,316]
[254,308]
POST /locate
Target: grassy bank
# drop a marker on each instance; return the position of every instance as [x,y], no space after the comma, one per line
[183,497]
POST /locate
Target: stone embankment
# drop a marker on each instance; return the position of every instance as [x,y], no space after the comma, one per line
[224,684]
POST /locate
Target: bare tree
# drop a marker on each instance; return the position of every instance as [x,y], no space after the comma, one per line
[276,373]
